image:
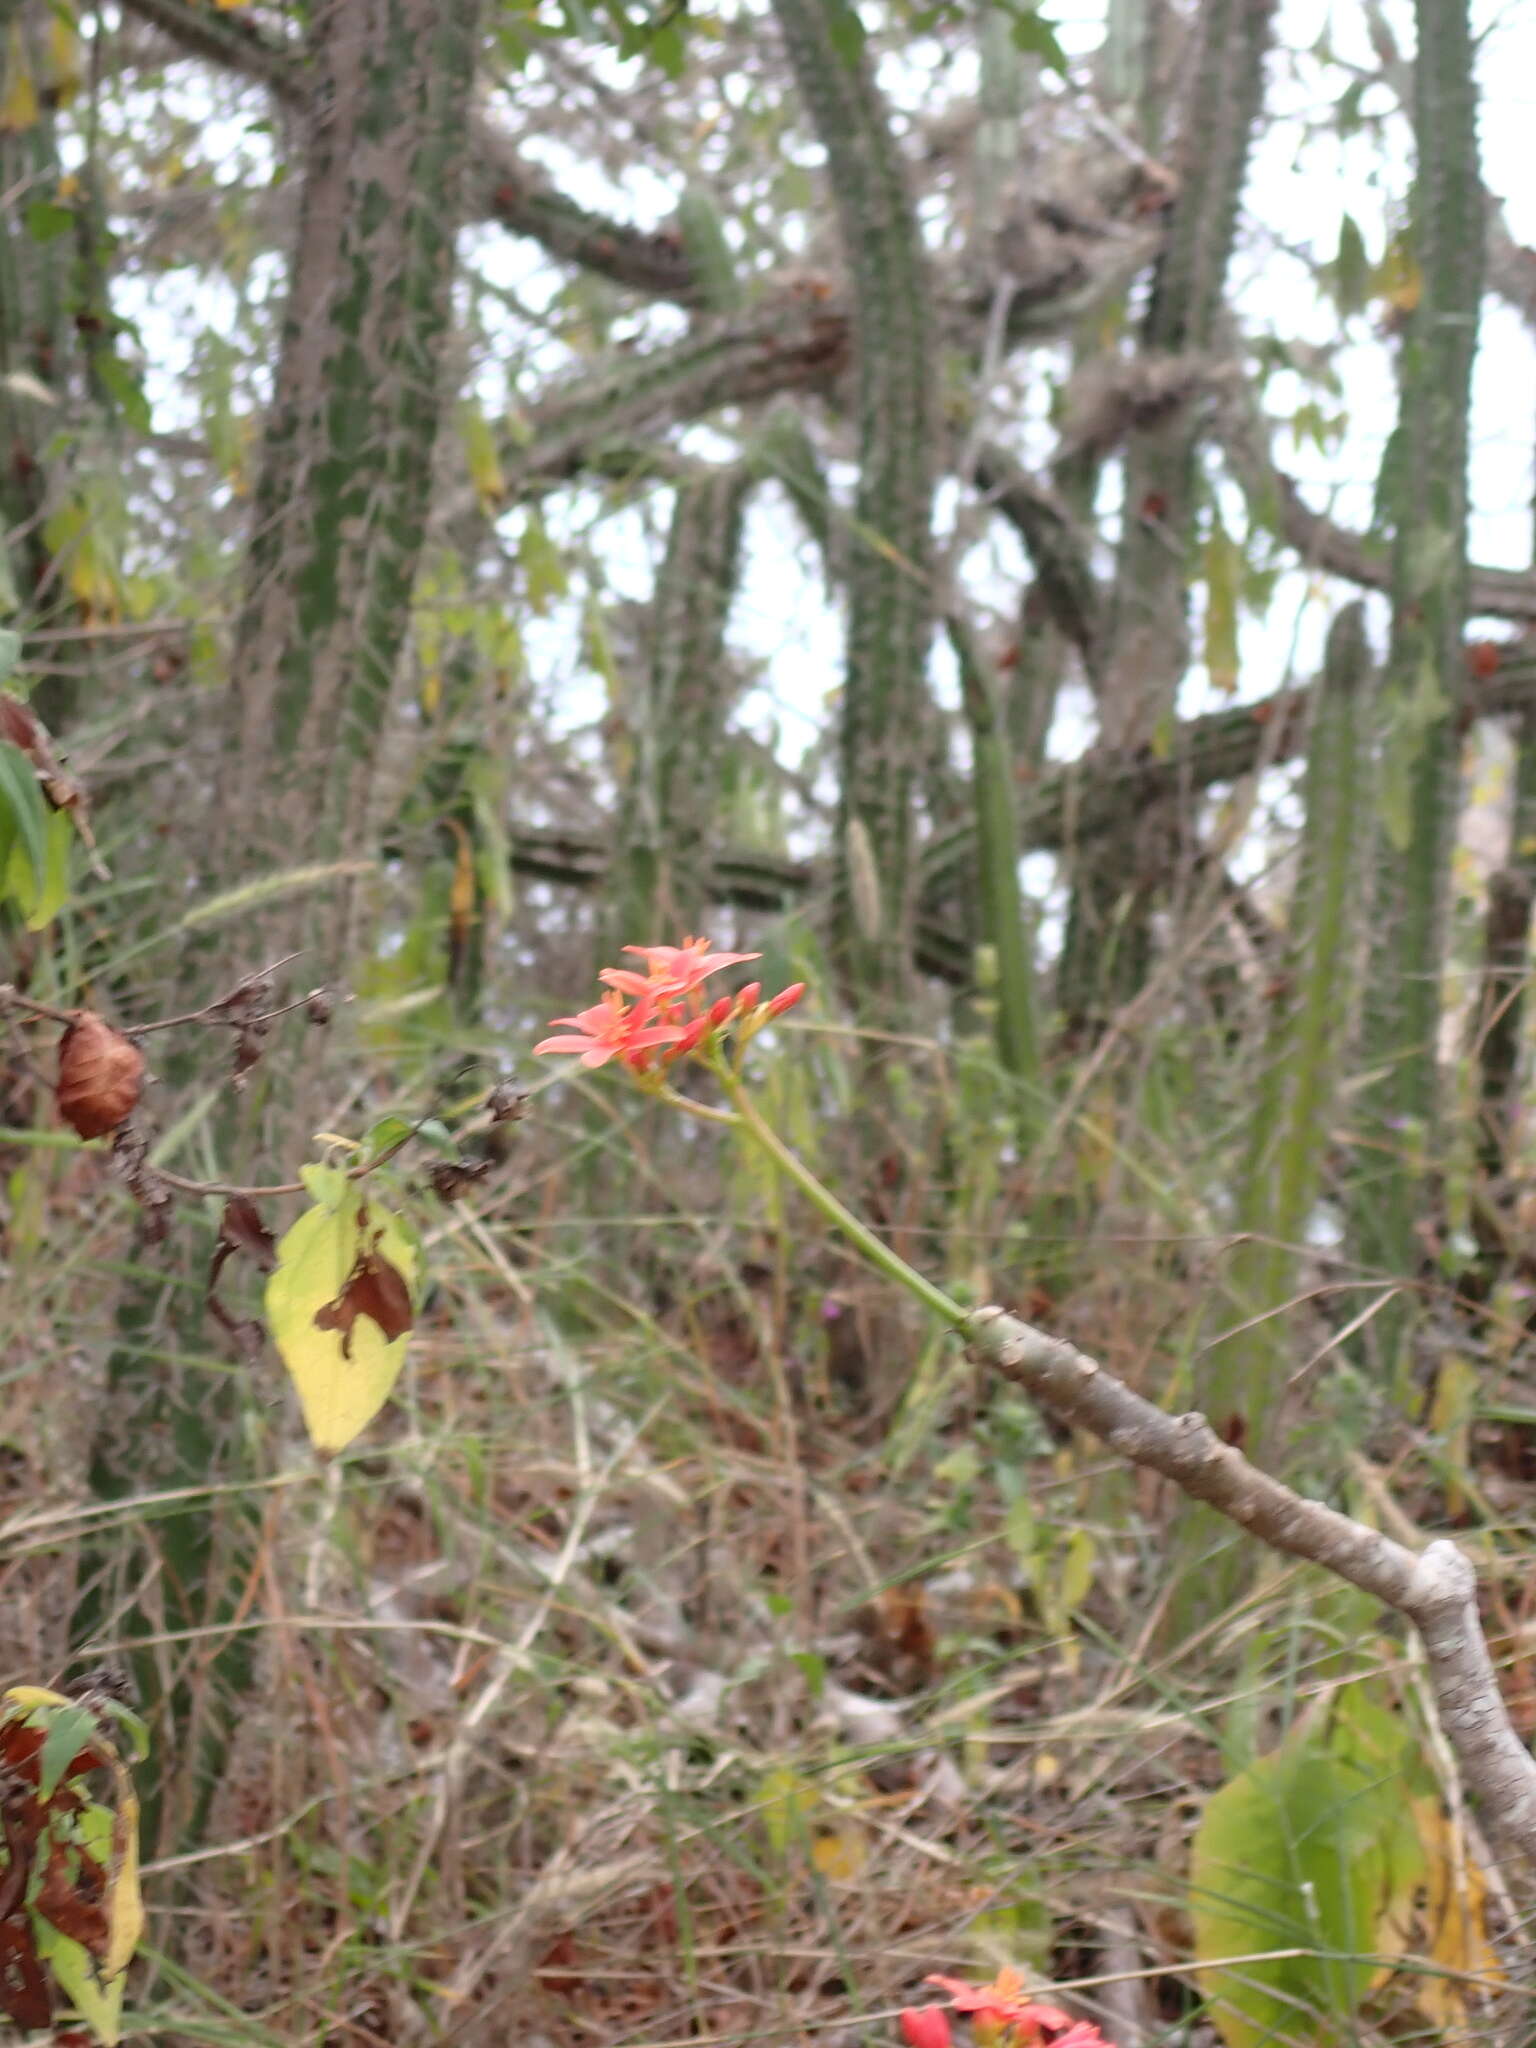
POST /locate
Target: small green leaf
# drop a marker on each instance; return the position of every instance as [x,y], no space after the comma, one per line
[847,32]
[385,1135]
[22,801]
[101,2007]
[40,903]
[1223,574]
[1352,270]
[542,565]
[70,1730]
[1031,32]
[123,386]
[10,642]
[46,220]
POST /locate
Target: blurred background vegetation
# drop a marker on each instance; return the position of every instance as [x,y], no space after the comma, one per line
[1024,520]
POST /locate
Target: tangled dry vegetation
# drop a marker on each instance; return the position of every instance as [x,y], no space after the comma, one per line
[699,1650]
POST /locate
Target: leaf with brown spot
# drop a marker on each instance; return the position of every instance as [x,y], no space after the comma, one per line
[341,1305]
[242,1230]
[373,1288]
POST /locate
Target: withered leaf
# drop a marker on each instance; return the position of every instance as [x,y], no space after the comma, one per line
[507,1103]
[74,1901]
[242,1230]
[450,1177]
[100,1076]
[130,1161]
[376,1289]
[24,1993]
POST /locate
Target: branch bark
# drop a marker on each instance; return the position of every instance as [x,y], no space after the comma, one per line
[1435,1589]
[1080,801]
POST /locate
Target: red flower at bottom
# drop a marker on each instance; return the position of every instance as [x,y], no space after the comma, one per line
[926,2026]
[1005,2004]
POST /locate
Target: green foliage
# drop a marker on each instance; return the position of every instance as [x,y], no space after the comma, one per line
[1310,1848]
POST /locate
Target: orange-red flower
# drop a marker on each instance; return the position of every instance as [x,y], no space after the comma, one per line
[1005,2009]
[611,1029]
[677,969]
[925,2026]
[668,1008]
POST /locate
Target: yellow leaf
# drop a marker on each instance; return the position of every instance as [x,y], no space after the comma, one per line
[841,1854]
[788,1799]
[62,69]
[1077,1570]
[19,107]
[29,1696]
[341,1304]
[481,457]
[1450,1418]
[1453,1916]
[125,1902]
[1398,279]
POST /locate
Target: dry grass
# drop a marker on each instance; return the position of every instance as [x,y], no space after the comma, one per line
[696,1652]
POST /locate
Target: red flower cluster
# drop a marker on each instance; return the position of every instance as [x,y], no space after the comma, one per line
[666,1017]
[1003,2014]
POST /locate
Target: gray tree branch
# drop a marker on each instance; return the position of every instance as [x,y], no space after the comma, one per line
[1435,1589]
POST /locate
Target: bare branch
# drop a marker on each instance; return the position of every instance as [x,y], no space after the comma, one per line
[1435,1589]
[1323,544]
[1055,546]
[501,185]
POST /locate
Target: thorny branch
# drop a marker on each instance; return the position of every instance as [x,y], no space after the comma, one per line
[1435,1589]
[238,1010]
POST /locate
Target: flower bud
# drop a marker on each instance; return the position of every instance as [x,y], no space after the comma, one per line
[786,999]
[748,1000]
[692,1033]
[718,1011]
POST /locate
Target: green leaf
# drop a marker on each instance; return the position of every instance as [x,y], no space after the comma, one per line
[1352,269]
[341,1304]
[1033,33]
[100,2006]
[542,565]
[1306,1849]
[385,1135]
[22,802]
[10,642]
[70,1730]
[46,220]
[123,386]
[1223,575]
[41,902]
[847,32]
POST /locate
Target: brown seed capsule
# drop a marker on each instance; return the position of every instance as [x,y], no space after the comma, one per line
[507,1103]
[100,1075]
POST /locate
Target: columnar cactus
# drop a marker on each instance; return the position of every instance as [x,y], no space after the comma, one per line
[1426,664]
[890,605]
